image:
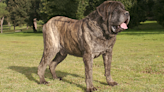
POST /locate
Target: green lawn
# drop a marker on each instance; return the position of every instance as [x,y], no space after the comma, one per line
[138,63]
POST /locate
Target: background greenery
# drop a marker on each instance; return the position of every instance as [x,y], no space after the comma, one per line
[137,63]
[22,12]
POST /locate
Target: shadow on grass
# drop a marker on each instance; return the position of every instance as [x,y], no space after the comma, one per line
[28,71]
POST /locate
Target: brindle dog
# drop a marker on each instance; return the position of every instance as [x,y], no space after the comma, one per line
[89,38]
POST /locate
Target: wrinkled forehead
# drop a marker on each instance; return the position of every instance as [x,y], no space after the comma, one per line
[112,5]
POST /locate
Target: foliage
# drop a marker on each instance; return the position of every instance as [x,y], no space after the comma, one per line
[92,4]
[51,8]
[18,10]
[159,11]
[34,11]
[23,11]
[81,9]
[3,9]
[76,9]
[150,4]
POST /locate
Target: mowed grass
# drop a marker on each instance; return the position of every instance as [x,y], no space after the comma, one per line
[138,64]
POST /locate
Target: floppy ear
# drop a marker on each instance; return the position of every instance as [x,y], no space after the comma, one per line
[102,9]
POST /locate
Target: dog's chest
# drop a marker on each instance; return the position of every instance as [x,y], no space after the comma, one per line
[100,46]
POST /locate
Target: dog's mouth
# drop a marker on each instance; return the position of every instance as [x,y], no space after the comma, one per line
[121,27]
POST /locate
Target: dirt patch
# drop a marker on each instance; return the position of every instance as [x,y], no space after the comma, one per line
[149,70]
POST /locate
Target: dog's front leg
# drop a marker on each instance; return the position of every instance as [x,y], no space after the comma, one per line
[107,57]
[88,61]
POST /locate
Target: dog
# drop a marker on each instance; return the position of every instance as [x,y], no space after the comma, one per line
[88,38]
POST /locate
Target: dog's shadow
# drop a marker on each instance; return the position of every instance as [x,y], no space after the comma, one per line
[29,71]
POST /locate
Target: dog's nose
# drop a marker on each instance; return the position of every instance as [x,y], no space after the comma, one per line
[127,13]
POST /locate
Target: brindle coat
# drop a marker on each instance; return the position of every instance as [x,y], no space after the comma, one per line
[88,38]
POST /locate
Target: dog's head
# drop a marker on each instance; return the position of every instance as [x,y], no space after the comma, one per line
[115,16]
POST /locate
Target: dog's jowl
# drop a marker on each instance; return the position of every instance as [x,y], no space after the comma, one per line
[88,38]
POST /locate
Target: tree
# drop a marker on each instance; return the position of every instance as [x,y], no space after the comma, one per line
[24,12]
[51,8]
[18,10]
[82,4]
[159,11]
[3,13]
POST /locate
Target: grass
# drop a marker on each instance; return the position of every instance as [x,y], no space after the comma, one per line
[137,63]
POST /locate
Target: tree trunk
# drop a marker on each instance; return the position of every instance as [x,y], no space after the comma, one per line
[9,25]
[2,24]
[35,25]
[27,26]
[14,25]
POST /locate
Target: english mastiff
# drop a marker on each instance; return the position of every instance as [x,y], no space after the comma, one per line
[88,38]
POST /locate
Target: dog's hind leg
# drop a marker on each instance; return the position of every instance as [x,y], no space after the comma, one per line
[59,58]
[46,60]
[51,48]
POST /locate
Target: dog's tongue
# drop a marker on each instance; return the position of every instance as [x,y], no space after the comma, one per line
[124,26]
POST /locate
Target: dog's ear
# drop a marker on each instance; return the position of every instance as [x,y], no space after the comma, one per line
[102,9]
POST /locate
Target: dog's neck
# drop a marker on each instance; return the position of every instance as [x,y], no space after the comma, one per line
[94,16]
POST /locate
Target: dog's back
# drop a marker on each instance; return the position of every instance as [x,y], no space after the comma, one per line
[64,33]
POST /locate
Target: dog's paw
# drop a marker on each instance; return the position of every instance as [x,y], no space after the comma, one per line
[91,89]
[112,83]
[44,82]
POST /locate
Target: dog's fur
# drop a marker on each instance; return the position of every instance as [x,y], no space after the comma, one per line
[88,38]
